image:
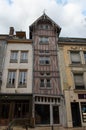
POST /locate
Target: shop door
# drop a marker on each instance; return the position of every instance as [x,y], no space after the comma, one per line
[75,114]
[42,114]
[21,109]
[55,115]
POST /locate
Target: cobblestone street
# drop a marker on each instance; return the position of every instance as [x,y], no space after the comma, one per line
[44,128]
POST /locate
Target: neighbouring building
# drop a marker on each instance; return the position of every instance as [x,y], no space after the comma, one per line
[72,60]
[48,99]
[3,45]
[16,89]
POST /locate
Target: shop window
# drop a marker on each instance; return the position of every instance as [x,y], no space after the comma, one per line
[83,109]
[79,82]
[21,109]
[75,57]
[5,111]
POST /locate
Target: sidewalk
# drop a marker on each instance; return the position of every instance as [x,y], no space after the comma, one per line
[44,128]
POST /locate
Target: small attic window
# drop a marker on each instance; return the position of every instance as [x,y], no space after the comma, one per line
[44,26]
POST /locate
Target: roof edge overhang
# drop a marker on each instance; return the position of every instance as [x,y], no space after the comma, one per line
[45,17]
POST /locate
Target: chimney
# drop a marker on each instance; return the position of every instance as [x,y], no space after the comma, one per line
[11,32]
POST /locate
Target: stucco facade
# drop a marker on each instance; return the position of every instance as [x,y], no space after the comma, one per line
[75,96]
[16,88]
[3,45]
[18,66]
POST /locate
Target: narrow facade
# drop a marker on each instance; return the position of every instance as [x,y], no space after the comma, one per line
[16,89]
[3,45]
[72,55]
[47,103]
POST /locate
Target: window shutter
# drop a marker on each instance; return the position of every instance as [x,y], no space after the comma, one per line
[75,57]
[78,79]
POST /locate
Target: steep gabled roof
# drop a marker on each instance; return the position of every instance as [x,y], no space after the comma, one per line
[43,18]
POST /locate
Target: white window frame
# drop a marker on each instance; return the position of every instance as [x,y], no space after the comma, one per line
[11,79]
[22,77]
[14,56]
[24,57]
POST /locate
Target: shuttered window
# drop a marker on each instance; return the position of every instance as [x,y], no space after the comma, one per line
[75,57]
[79,81]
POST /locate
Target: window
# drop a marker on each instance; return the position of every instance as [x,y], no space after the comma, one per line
[45,83]
[14,57]
[44,73]
[79,83]
[75,57]
[42,84]
[44,26]
[44,52]
[22,78]
[85,56]
[24,57]
[43,40]
[11,78]
[44,60]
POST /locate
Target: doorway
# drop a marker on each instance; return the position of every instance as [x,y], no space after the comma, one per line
[55,114]
[42,114]
[75,114]
[21,109]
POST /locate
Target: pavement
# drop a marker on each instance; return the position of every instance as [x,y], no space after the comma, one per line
[44,128]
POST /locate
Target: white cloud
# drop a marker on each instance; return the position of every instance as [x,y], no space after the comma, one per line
[22,13]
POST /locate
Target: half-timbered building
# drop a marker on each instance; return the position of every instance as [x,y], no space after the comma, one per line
[47,96]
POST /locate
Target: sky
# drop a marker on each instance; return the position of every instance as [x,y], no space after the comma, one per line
[70,15]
